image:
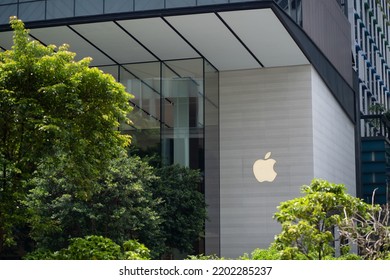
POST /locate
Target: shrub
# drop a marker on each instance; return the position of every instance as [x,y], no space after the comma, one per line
[350,256]
[202,257]
[263,254]
[133,250]
[94,248]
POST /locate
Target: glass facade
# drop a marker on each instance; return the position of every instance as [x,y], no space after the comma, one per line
[176,102]
[293,8]
[183,113]
[143,81]
[175,109]
[176,115]
[36,10]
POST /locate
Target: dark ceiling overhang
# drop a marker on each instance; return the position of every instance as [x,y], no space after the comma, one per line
[231,37]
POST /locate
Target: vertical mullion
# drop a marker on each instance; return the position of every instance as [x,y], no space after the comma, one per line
[17,9]
[45,16]
[162,117]
[74,8]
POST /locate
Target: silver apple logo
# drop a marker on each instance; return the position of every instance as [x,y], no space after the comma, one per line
[263,169]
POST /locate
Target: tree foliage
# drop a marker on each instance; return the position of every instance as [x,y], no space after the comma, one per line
[183,207]
[309,222]
[52,108]
[160,207]
[94,247]
[120,208]
[61,171]
[270,253]
[203,257]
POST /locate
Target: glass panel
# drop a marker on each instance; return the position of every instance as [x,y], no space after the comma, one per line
[148,4]
[211,170]
[143,81]
[6,12]
[8,1]
[113,70]
[89,7]
[293,10]
[180,3]
[183,104]
[32,11]
[299,11]
[118,6]
[211,2]
[283,4]
[235,1]
[60,8]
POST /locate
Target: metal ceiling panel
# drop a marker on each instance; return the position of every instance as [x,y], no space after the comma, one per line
[6,40]
[231,40]
[263,33]
[62,34]
[208,34]
[159,38]
[112,40]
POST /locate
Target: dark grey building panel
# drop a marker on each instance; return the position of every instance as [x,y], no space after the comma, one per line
[325,23]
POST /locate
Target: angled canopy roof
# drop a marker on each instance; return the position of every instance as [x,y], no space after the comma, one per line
[229,40]
[231,37]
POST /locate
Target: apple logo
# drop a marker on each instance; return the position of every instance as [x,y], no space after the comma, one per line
[263,169]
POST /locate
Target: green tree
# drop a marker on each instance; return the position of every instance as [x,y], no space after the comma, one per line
[202,257]
[94,247]
[270,253]
[52,108]
[308,222]
[183,207]
[120,208]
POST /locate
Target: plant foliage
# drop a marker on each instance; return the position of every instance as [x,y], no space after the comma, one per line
[52,108]
[183,207]
[309,222]
[120,208]
[94,247]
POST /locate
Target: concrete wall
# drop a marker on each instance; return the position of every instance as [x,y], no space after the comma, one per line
[266,110]
[284,111]
[333,138]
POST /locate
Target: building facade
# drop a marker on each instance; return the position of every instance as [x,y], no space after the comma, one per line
[253,93]
[370,48]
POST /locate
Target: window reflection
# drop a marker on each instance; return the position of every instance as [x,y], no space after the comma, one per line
[211,2]
[32,11]
[88,7]
[148,4]
[7,11]
[143,82]
[60,9]
[8,1]
[118,6]
[292,8]
[236,1]
[179,3]
[183,105]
